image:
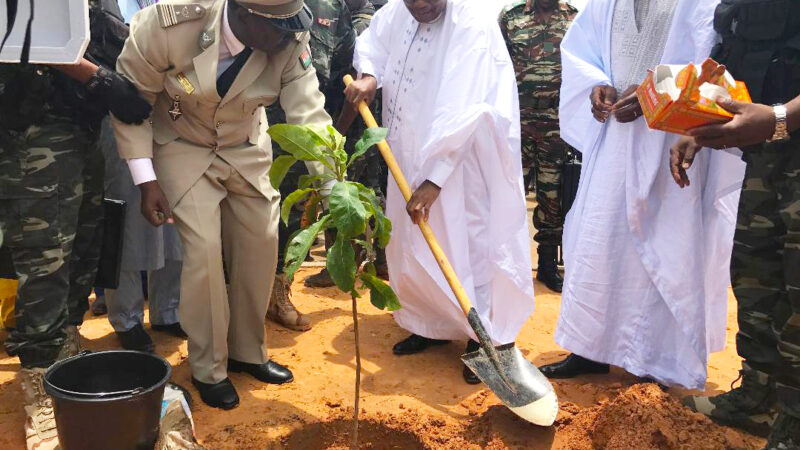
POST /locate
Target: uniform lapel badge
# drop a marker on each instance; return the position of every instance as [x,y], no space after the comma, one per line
[324,22]
[176,112]
[206,39]
[305,59]
[185,83]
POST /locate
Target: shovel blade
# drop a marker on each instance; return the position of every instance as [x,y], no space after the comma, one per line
[520,386]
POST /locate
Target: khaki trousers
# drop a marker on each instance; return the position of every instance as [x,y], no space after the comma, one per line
[224,214]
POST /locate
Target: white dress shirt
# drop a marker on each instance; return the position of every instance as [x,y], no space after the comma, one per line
[142,168]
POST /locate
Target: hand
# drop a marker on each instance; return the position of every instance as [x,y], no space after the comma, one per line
[752,124]
[155,207]
[419,206]
[681,157]
[363,89]
[121,96]
[627,109]
[603,98]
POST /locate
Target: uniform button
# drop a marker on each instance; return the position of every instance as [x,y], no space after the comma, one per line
[215,147]
[219,124]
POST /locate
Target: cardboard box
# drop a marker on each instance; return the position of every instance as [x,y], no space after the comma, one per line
[677,98]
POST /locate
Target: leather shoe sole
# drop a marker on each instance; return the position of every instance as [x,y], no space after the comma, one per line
[470,377]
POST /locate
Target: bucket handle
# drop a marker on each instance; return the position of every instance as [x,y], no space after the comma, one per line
[129,392]
[95,394]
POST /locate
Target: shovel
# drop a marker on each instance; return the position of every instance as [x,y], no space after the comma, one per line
[515,381]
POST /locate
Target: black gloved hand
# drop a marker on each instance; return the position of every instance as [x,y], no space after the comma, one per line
[121,96]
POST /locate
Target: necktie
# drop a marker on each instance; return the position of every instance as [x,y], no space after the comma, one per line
[225,80]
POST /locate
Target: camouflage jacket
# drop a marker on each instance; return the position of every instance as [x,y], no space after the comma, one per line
[332,44]
[362,17]
[332,40]
[535,49]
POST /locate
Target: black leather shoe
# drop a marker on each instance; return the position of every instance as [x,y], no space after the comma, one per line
[173,329]
[572,366]
[319,280]
[220,395]
[136,339]
[469,375]
[415,344]
[269,372]
[547,272]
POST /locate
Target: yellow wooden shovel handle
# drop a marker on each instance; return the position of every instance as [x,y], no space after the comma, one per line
[427,232]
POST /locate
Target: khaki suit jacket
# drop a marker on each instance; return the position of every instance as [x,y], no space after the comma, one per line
[177,63]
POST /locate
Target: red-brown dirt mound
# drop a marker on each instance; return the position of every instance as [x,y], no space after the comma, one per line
[644,417]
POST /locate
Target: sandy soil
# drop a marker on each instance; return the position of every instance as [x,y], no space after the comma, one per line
[416,401]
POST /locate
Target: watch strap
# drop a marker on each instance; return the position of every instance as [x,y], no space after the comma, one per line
[781,131]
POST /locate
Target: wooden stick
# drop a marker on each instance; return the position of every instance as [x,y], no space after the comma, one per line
[405,189]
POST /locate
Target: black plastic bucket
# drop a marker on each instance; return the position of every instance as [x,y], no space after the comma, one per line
[108,400]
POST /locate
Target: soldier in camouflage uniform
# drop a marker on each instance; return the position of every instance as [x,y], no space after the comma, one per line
[533,34]
[332,44]
[370,169]
[761,46]
[51,191]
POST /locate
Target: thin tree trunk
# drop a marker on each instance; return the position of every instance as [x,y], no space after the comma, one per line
[354,444]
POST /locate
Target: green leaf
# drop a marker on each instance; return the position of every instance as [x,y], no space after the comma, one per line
[289,201]
[370,137]
[300,244]
[383,226]
[298,141]
[280,167]
[341,264]
[346,208]
[319,134]
[381,294]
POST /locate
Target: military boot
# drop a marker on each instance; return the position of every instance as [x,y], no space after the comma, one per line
[281,310]
[40,421]
[785,433]
[548,268]
[750,407]
[72,343]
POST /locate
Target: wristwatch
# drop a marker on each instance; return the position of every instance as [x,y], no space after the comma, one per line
[781,132]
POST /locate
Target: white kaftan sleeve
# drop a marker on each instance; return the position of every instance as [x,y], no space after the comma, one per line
[372,46]
[477,95]
[583,68]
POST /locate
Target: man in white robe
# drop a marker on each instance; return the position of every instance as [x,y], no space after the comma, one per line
[450,104]
[646,264]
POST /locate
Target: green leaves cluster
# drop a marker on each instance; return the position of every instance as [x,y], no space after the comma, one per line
[353,211]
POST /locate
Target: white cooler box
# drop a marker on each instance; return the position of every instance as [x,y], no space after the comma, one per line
[59,33]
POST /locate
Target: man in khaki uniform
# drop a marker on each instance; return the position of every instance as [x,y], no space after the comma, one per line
[209,68]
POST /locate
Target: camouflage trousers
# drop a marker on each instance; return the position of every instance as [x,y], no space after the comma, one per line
[288,186]
[544,153]
[51,228]
[765,268]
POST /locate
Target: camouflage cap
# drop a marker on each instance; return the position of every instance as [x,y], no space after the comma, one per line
[289,15]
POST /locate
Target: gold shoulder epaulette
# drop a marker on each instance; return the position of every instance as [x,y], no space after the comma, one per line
[171,15]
